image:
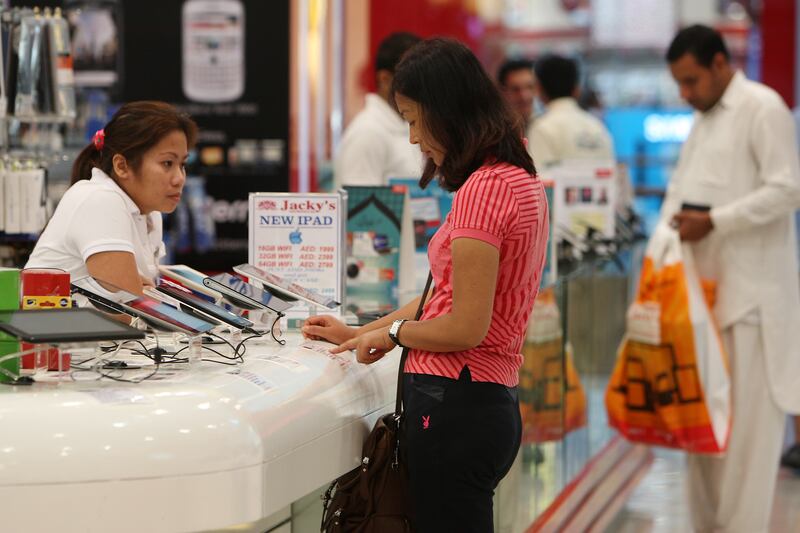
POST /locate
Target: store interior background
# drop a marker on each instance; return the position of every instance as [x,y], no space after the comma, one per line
[313,58]
[308,67]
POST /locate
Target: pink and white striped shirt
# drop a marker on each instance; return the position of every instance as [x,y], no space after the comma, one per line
[502,205]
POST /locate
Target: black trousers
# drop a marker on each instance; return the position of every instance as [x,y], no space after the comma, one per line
[460,439]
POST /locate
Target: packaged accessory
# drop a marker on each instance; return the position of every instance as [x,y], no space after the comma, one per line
[45,288]
[374,496]
[60,58]
[30,57]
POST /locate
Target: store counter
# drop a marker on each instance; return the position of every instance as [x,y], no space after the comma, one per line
[187,450]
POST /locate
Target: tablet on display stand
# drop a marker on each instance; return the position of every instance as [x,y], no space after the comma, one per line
[62,328]
[157,314]
[285,288]
[247,296]
[189,278]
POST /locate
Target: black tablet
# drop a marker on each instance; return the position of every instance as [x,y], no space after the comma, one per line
[186,297]
[55,326]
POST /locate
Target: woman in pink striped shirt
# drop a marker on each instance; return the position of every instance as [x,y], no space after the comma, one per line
[462,424]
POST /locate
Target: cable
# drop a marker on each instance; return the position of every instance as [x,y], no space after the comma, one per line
[282,342]
[96,368]
[218,362]
[241,346]
[223,340]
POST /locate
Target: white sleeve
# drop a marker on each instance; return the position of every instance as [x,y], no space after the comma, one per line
[361,158]
[102,223]
[540,147]
[774,147]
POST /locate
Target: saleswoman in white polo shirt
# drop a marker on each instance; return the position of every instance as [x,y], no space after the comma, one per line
[108,224]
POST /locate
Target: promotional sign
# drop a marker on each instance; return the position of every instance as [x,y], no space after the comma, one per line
[583,198]
[300,237]
[429,208]
[380,262]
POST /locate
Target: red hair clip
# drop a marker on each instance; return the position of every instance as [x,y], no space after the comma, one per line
[99,140]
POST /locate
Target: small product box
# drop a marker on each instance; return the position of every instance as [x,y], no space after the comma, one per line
[9,301]
[45,288]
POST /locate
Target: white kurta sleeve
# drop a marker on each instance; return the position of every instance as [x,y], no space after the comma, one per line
[541,147]
[774,146]
[361,158]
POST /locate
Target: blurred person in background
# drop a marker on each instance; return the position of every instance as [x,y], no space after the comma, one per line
[375,145]
[564,131]
[732,198]
[516,81]
[791,458]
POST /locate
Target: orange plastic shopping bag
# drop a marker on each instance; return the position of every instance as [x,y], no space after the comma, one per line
[552,399]
[671,385]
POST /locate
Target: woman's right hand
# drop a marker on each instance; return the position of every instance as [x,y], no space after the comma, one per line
[328,328]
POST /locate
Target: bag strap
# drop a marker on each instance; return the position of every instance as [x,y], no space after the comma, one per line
[398,406]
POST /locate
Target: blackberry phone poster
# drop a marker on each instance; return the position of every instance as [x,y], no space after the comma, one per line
[226,63]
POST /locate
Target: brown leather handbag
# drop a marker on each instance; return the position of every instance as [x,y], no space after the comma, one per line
[373,497]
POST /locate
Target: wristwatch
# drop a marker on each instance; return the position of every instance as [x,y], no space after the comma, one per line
[394,330]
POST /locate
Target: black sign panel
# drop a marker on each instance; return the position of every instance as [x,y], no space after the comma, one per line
[225,62]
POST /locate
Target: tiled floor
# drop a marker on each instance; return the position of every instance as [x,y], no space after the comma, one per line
[658,505]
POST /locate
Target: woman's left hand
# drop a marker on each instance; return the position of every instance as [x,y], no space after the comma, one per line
[369,347]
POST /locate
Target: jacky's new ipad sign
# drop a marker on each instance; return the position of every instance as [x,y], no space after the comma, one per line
[299,237]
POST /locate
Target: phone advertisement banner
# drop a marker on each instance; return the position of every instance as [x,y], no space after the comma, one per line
[209,61]
[300,237]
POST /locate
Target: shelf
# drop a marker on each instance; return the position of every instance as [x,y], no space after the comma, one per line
[18,238]
[40,119]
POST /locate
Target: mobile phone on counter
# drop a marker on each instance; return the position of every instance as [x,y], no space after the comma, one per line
[285,288]
[159,315]
[245,295]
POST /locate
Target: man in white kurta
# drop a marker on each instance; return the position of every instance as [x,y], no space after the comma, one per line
[375,145]
[740,160]
[564,131]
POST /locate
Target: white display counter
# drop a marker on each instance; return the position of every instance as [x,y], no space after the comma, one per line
[194,450]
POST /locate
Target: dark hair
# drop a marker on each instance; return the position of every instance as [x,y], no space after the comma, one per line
[512,65]
[392,48]
[557,76]
[134,129]
[701,41]
[462,109]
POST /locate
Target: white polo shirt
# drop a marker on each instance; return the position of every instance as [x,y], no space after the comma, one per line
[565,131]
[95,216]
[375,147]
